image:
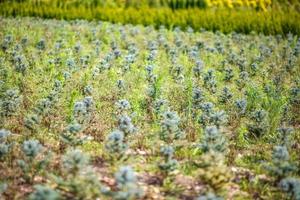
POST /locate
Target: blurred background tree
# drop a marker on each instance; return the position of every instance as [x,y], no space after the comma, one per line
[244,16]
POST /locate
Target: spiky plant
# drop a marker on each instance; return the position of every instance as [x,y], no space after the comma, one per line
[260,123]
[7,42]
[284,134]
[32,164]
[210,116]
[207,111]
[44,192]
[73,136]
[5,146]
[88,90]
[20,63]
[125,125]
[168,164]
[123,107]
[4,134]
[198,68]
[170,129]
[121,86]
[241,107]
[41,44]
[291,186]
[213,140]
[243,79]
[11,102]
[74,161]
[280,166]
[127,187]
[159,106]
[31,148]
[83,109]
[115,143]
[213,171]
[198,98]
[226,95]
[210,82]
[228,74]
[43,107]
[218,118]
[31,121]
[78,180]
[79,111]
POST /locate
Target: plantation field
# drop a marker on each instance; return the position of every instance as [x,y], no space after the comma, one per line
[95,110]
[240,16]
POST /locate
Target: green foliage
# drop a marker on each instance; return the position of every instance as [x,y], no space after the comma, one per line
[168,164]
[115,143]
[284,135]
[260,123]
[170,129]
[44,192]
[273,21]
[31,148]
[10,103]
[32,163]
[77,180]
[196,94]
[280,166]
[5,145]
[125,125]
[213,171]
[74,161]
[126,185]
[291,186]
[213,141]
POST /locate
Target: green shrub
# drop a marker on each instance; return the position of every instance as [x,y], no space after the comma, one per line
[273,21]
